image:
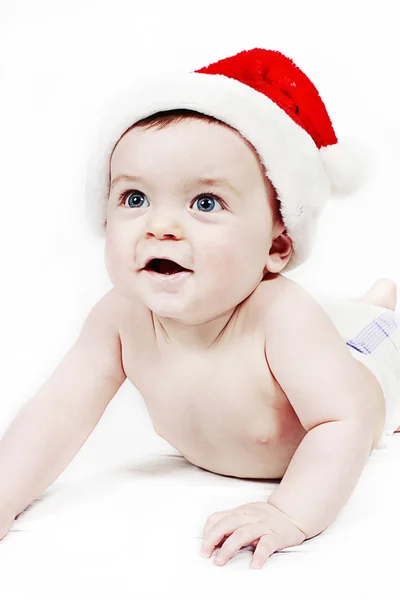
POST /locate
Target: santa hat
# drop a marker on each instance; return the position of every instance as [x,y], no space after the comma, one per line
[274,105]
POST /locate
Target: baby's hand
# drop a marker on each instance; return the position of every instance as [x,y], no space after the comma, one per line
[258,524]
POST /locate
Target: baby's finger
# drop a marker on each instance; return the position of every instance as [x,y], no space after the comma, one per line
[268,544]
[224,527]
[213,519]
[243,536]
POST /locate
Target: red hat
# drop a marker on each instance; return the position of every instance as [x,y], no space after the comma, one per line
[274,105]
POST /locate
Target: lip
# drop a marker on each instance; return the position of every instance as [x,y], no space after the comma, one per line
[163,277]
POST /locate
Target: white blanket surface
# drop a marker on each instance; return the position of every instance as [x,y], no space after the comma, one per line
[125,520]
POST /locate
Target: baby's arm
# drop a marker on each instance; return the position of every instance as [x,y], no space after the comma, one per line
[49,430]
[311,363]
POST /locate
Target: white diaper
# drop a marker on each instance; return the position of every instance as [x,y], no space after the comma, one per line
[372,334]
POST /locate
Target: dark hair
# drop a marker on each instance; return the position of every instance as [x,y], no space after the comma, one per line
[164,118]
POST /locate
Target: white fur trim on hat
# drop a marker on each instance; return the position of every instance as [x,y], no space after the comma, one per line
[347,166]
[293,163]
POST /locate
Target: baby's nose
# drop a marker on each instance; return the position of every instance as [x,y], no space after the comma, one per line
[164,226]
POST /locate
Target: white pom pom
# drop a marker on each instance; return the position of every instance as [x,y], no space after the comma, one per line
[347,166]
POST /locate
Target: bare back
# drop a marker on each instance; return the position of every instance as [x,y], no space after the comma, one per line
[221,408]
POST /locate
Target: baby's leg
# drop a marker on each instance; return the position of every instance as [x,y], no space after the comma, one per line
[382,293]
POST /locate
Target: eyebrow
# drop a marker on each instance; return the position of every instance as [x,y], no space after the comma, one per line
[216,181]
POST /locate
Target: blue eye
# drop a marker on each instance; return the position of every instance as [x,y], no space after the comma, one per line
[206,202]
[209,203]
[136,201]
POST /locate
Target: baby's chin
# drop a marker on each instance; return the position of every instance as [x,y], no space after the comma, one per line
[184,312]
[176,310]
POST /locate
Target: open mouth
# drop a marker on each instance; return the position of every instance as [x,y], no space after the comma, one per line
[164,266]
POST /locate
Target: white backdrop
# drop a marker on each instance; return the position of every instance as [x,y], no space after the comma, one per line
[59,61]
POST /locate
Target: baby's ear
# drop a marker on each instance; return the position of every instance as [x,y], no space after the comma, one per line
[280,252]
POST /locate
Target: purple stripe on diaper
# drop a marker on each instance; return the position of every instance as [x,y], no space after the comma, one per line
[375,333]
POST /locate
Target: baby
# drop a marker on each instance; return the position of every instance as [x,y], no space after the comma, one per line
[212,191]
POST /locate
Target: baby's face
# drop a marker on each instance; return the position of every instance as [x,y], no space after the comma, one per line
[221,232]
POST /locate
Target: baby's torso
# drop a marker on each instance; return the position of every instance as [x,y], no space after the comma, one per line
[221,408]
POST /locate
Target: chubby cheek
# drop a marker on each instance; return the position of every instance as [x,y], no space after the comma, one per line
[233,265]
[116,263]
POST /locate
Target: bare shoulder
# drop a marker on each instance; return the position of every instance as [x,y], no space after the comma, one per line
[111,322]
[283,299]
[99,336]
[100,328]
[292,313]
[105,313]
[310,360]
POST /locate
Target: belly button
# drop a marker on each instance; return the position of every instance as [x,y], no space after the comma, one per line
[262,440]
